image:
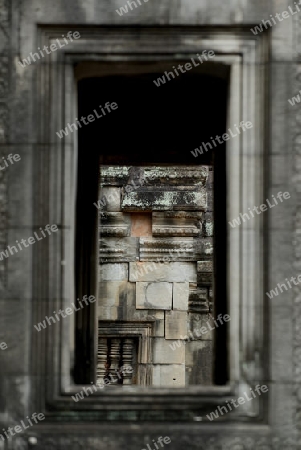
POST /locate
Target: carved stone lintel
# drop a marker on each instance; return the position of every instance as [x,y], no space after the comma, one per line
[114,224]
[155,198]
[180,223]
[156,176]
[118,250]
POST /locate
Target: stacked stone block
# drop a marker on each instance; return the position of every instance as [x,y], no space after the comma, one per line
[155,255]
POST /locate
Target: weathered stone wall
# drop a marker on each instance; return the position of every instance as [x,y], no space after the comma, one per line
[27,203]
[156,265]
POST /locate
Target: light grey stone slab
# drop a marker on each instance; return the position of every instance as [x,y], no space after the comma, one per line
[113,272]
[180,296]
[171,272]
[164,353]
[172,375]
[175,324]
[156,295]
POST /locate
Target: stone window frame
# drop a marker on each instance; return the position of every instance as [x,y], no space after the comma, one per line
[247,55]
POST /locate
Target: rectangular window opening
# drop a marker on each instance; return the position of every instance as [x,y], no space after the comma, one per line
[151,234]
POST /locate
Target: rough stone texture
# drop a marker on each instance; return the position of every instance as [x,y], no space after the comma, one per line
[154,295]
[152,199]
[26,110]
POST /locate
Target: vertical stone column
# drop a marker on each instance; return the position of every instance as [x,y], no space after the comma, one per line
[127,358]
[102,357]
[115,359]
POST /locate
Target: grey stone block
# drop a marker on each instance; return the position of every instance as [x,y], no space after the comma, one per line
[156,295]
[113,272]
[165,353]
[180,296]
[152,315]
[118,250]
[175,324]
[180,223]
[199,362]
[171,272]
[172,375]
[158,198]
[111,197]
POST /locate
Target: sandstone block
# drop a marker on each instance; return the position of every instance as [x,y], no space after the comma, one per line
[199,362]
[180,296]
[156,295]
[113,272]
[171,272]
[182,223]
[157,316]
[165,353]
[175,324]
[111,198]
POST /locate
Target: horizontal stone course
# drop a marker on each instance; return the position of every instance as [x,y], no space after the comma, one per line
[171,272]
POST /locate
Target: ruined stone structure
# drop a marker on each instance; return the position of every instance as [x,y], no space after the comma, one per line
[148,142]
[155,254]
